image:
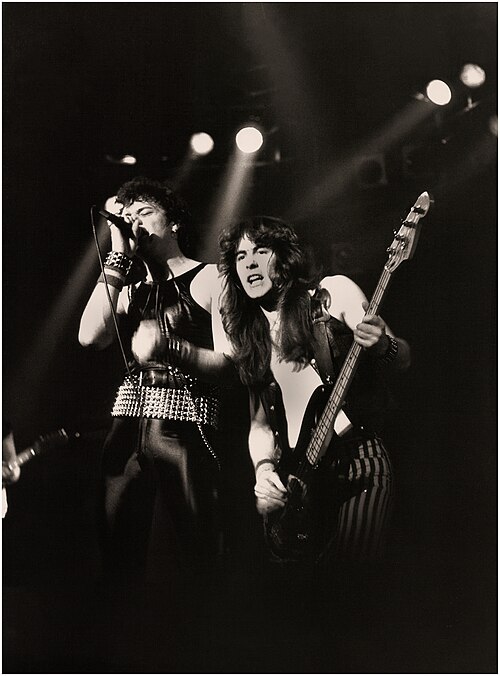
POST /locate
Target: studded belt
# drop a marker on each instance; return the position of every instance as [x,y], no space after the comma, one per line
[134,399]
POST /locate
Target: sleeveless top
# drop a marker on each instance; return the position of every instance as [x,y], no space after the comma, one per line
[158,389]
[171,303]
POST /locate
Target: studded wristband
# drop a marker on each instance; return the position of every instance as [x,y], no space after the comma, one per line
[119,261]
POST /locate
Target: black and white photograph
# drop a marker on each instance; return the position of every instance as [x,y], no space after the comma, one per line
[250,338]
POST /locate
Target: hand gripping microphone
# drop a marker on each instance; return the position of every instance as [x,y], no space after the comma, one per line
[124,227]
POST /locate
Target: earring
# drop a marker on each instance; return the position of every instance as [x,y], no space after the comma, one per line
[175,227]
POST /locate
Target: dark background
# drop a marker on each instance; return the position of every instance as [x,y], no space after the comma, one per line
[83,81]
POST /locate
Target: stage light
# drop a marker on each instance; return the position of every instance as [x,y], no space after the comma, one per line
[249,140]
[202,143]
[472,75]
[123,159]
[438,92]
[128,159]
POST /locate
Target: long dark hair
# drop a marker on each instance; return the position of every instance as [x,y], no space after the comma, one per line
[243,319]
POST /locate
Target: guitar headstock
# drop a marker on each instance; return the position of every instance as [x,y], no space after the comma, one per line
[56,439]
[405,241]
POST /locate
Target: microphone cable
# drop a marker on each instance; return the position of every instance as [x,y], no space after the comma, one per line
[135,386]
[106,286]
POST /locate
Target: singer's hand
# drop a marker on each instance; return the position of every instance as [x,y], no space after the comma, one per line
[148,343]
[120,241]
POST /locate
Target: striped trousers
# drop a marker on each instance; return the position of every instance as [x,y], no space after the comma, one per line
[364,494]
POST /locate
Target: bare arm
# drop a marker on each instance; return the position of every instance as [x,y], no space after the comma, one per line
[97,327]
[269,490]
[206,289]
[349,304]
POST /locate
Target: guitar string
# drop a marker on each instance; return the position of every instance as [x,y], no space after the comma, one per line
[374,304]
[329,414]
[347,372]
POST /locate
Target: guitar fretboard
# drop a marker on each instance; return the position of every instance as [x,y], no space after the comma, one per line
[26,455]
[324,429]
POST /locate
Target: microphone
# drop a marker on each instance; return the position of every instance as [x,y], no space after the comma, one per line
[124,227]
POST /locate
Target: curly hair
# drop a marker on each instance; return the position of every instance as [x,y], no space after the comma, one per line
[162,195]
[292,278]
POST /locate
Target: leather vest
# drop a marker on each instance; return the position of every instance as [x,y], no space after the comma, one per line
[367,398]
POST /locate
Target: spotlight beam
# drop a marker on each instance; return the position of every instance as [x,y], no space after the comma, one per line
[341,174]
[48,344]
[231,197]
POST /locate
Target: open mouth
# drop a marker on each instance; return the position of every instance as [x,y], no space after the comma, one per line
[254,280]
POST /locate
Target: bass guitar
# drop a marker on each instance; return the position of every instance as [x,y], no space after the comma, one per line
[294,532]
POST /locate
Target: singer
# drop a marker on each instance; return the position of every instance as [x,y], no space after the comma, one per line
[161,459]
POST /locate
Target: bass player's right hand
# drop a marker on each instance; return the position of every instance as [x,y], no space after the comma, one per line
[269,490]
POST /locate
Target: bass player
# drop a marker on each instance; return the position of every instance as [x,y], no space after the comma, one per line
[290,332]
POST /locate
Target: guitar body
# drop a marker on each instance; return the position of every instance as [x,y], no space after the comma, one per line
[296,532]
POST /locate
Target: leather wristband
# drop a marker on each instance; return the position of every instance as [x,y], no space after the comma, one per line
[391,353]
[112,280]
[267,461]
[118,261]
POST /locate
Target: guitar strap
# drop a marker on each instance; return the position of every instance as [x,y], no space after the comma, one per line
[321,347]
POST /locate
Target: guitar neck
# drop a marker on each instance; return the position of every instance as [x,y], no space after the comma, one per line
[26,455]
[324,429]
